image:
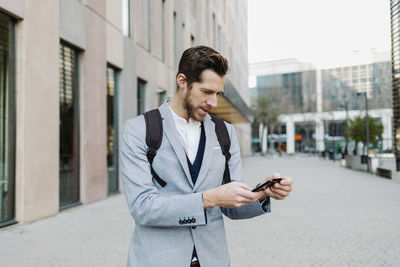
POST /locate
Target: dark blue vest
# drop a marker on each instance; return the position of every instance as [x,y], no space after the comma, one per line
[195,167]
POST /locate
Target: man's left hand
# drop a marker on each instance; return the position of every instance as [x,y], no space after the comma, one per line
[279,190]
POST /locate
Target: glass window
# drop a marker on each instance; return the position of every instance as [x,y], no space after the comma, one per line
[161,96]
[112,130]
[126,18]
[69,126]
[7,119]
[141,93]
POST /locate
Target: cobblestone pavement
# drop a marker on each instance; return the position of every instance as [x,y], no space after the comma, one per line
[334,217]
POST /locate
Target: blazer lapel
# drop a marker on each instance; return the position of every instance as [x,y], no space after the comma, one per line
[209,128]
[174,138]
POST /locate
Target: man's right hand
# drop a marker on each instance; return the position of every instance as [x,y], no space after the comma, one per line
[231,195]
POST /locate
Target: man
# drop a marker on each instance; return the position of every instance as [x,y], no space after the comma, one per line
[181,224]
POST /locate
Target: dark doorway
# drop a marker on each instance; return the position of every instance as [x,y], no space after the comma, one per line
[69,127]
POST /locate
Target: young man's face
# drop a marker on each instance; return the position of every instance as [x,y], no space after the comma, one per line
[202,96]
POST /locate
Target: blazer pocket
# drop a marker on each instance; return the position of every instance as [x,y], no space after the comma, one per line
[217,165]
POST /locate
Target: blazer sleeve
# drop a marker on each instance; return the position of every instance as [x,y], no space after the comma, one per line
[235,167]
[145,204]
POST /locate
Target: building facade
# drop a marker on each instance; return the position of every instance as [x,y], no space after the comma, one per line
[395,34]
[72,71]
[344,83]
[314,104]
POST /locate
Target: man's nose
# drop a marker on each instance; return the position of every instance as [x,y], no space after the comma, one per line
[212,101]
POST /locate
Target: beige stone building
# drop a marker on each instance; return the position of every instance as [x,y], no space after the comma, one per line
[72,71]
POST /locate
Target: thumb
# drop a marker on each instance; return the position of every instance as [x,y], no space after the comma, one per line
[275,175]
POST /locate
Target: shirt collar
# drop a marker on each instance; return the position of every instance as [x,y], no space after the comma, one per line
[182,121]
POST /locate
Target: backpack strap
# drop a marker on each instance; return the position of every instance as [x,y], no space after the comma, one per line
[224,142]
[154,134]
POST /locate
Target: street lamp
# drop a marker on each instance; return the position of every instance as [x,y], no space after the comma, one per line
[367,129]
[346,107]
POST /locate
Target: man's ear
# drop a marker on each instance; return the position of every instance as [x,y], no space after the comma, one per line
[181,81]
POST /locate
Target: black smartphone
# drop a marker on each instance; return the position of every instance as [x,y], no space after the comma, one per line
[266,185]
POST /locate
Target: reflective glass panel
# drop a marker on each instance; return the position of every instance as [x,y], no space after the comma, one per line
[7,119]
[69,125]
[112,136]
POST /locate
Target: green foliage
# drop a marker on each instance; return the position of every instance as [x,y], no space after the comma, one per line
[347,129]
[356,130]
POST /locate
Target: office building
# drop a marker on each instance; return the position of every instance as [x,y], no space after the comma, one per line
[72,71]
[314,103]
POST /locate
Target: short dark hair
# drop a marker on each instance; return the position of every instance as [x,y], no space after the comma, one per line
[197,59]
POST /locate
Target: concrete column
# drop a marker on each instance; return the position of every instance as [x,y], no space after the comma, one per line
[127,97]
[319,90]
[319,135]
[73,23]
[290,133]
[93,113]
[115,38]
[37,146]
[387,131]
[243,133]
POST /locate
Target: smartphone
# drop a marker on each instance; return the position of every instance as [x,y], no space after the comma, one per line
[266,185]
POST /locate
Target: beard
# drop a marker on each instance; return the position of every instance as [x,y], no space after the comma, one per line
[190,108]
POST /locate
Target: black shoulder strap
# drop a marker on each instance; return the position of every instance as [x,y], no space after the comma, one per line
[224,142]
[154,134]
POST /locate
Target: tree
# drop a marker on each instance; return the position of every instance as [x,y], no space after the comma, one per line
[356,128]
[267,117]
[346,135]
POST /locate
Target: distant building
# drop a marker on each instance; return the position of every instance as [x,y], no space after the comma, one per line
[395,32]
[295,88]
[341,85]
[313,102]
[71,73]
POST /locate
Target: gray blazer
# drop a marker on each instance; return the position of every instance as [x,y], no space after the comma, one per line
[159,239]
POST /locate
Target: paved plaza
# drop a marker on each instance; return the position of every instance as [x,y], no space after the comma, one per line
[334,217]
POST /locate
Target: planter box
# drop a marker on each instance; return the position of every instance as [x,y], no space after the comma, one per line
[349,159]
[384,173]
[388,173]
[373,164]
[354,162]
[343,163]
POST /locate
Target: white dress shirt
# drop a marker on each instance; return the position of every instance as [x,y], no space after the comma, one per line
[190,134]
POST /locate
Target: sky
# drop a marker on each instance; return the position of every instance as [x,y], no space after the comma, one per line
[325,33]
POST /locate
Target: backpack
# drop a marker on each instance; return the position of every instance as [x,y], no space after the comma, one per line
[154,135]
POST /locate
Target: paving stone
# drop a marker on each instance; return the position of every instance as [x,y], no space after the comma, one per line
[334,217]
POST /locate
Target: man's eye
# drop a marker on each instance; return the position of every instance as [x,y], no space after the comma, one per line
[220,93]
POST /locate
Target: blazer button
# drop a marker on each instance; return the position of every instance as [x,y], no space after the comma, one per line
[184,221]
[180,222]
[193,220]
[193,227]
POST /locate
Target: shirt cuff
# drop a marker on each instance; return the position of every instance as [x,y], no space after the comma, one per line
[205,211]
[266,204]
